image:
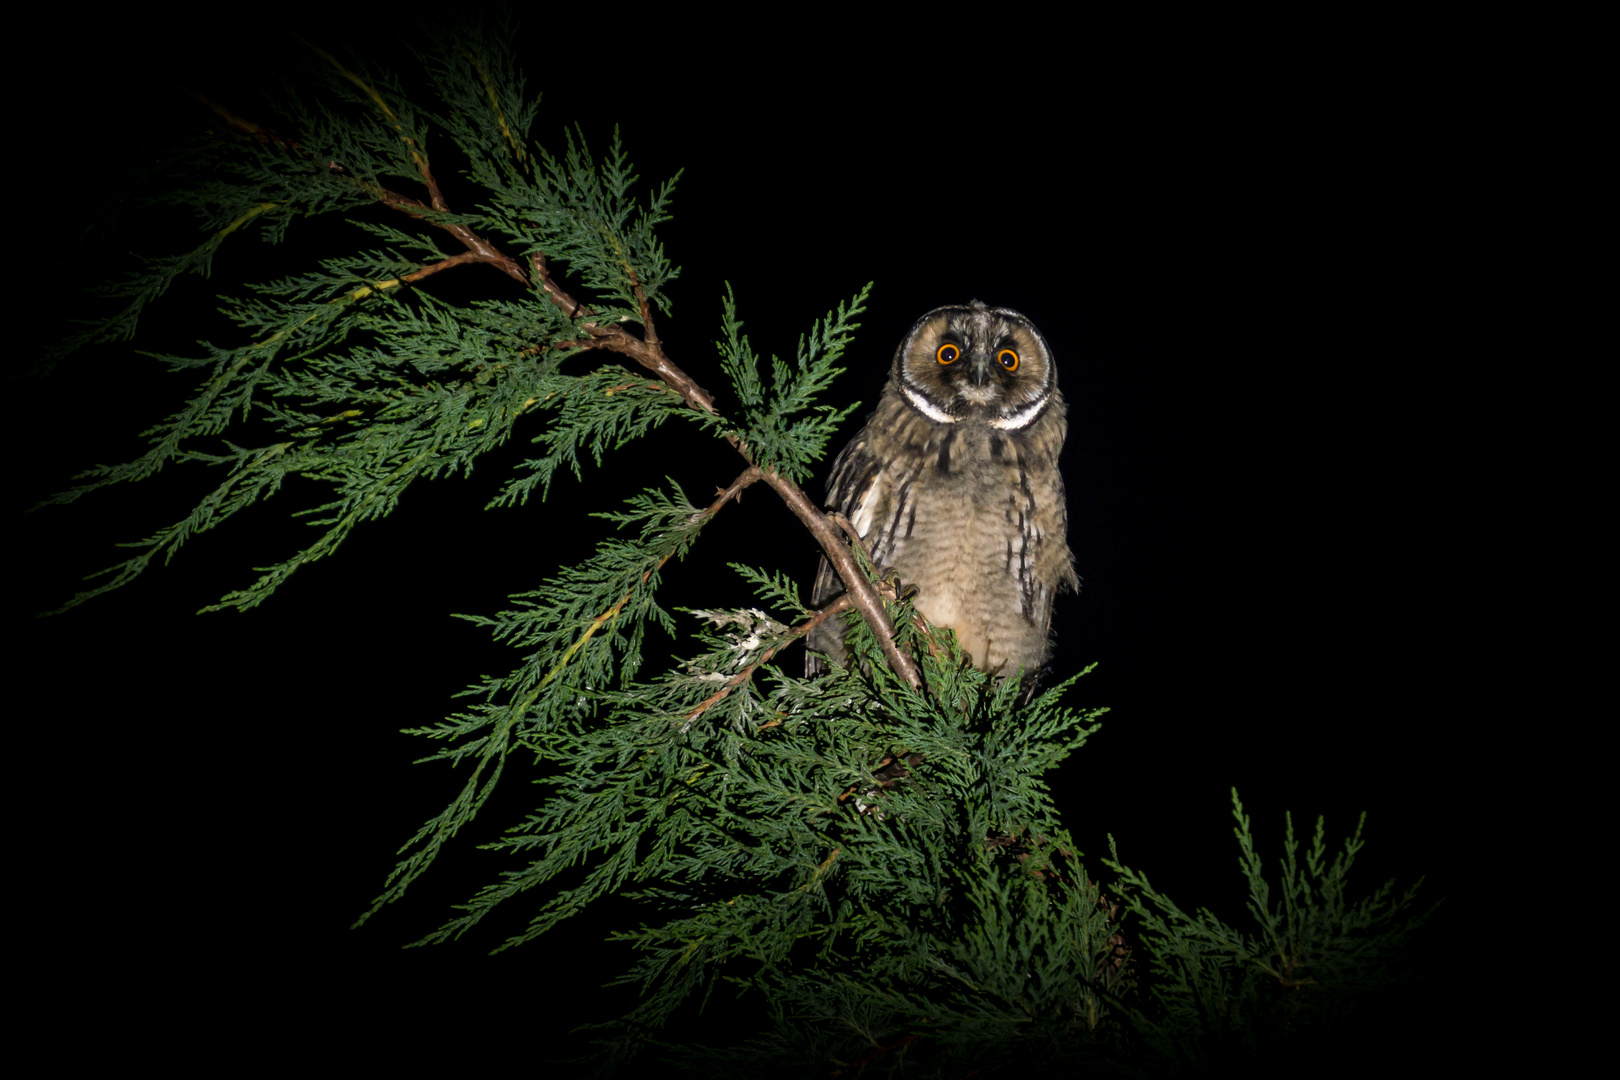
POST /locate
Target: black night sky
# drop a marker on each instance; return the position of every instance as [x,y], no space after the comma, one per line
[1246,267]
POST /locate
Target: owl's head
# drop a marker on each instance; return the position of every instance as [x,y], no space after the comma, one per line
[975,362]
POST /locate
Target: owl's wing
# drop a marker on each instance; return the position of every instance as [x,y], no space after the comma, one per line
[1045,564]
[853,460]
[875,496]
[871,493]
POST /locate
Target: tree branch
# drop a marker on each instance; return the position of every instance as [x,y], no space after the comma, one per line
[442,264]
[650,355]
[383,107]
[748,476]
[860,590]
[726,494]
[647,352]
[842,604]
[650,334]
[480,249]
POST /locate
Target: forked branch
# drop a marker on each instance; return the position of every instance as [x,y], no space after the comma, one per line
[649,353]
[646,351]
[838,606]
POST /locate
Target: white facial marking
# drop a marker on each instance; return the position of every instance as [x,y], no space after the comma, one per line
[1023,416]
[926,407]
[978,395]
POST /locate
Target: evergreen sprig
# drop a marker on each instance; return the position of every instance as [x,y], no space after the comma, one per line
[778,442]
[584,216]
[368,381]
[1314,958]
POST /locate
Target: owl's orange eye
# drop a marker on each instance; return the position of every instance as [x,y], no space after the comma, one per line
[947,353]
[1008,358]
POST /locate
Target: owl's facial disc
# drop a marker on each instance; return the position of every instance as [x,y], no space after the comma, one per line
[972,361]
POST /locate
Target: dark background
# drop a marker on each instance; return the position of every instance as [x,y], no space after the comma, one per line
[1255,270]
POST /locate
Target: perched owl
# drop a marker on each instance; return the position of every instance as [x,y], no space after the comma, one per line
[953,483]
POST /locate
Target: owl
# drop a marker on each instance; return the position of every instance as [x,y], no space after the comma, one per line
[954,486]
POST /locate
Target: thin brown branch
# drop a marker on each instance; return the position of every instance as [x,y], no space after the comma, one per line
[648,332]
[650,355]
[442,264]
[248,127]
[842,604]
[612,613]
[648,352]
[726,494]
[480,249]
[857,587]
[393,118]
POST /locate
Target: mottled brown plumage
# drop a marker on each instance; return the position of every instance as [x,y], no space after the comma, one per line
[953,484]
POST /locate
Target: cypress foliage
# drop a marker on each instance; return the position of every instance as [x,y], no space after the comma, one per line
[874,855]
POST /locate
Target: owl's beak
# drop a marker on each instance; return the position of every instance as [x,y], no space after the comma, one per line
[976,388]
[981,369]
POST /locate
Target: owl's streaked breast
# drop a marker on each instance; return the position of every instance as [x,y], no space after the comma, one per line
[962,520]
